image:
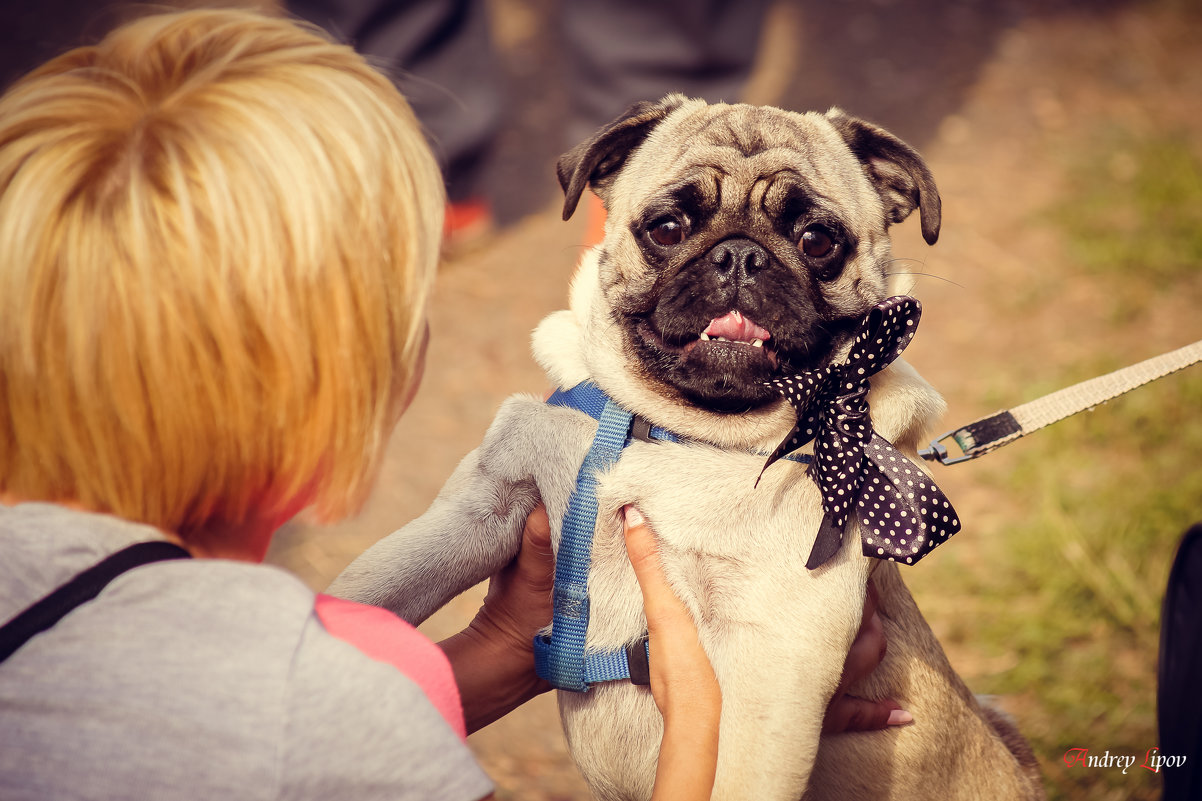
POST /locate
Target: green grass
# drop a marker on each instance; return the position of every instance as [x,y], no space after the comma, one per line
[1136,210]
[1066,591]
[1063,597]
[1110,493]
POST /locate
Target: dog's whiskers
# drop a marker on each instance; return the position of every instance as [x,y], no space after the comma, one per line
[928,275]
[916,274]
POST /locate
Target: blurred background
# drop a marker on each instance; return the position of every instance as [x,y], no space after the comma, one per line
[1066,139]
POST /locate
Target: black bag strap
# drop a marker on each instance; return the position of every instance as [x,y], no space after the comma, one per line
[1178,706]
[79,590]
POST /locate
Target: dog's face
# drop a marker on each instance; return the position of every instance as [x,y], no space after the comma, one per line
[743,242]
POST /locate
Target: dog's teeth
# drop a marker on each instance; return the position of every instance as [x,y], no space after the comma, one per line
[723,339]
[757,343]
[704,337]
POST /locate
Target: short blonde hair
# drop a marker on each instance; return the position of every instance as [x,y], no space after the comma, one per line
[218,231]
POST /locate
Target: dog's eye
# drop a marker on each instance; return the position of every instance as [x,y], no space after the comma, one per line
[666,232]
[817,242]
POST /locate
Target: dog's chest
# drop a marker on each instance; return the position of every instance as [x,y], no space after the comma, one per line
[707,500]
[734,551]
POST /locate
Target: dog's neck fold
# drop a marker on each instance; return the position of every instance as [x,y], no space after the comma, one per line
[584,343]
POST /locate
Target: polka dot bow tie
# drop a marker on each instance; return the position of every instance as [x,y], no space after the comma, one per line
[902,514]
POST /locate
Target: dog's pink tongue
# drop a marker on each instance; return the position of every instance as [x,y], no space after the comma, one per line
[735,326]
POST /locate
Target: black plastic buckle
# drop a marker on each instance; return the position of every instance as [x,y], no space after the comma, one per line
[640,429]
[640,666]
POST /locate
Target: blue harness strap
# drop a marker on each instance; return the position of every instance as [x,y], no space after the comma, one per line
[562,664]
[561,658]
[587,397]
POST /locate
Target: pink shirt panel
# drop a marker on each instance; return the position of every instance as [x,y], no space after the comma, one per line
[387,638]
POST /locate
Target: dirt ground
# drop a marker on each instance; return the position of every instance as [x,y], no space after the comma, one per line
[995,94]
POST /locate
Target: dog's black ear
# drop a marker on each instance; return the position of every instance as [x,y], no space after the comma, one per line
[598,159]
[900,175]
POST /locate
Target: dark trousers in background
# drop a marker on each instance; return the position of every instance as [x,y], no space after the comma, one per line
[617,52]
[1179,704]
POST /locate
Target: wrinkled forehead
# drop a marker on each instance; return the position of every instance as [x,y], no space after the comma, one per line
[738,151]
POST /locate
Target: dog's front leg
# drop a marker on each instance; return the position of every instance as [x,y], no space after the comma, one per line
[777,679]
[472,530]
[474,527]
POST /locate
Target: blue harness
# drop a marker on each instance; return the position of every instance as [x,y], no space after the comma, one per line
[561,658]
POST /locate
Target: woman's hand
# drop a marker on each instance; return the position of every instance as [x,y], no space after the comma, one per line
[686,690]
[493,658]
[847,712]
[682,680]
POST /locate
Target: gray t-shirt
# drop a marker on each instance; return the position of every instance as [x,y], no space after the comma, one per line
[199,679]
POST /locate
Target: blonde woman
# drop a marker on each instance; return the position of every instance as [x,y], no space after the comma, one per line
[218,231]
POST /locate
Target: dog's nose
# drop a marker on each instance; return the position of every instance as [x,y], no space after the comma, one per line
[739,256]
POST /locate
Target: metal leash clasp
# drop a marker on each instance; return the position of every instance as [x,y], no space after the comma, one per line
[938,451]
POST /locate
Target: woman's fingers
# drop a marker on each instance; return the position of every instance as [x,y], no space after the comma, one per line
[682,679]
[493,658]
[536,561]
[681,674]
[659,601]
[847,712]
[868,648]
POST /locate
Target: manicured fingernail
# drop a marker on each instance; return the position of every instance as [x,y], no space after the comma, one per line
[633,516]
[899,717]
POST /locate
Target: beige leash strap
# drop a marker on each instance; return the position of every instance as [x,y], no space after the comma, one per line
[989,433]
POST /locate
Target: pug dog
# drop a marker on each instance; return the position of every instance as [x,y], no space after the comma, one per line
[742,244]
